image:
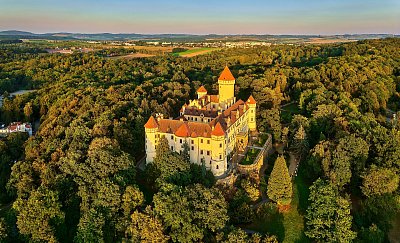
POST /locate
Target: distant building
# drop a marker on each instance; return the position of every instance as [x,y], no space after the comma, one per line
[213,126]
[58,50]
[17,127]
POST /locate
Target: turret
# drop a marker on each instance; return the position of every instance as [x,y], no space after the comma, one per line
[218,158]
[201,92]
[252,104]
[151,130]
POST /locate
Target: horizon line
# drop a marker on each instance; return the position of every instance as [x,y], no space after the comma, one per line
[182,33]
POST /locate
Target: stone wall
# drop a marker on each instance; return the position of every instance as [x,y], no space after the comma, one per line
[229,180]
[253,170]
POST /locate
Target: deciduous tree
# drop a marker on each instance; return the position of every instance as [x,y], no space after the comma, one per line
[328,217]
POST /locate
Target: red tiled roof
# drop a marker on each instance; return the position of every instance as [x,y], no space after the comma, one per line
[210,98]
[251,100]
[218,130]
[172,126]
[214,98]
[151,123]
[226,75]
[233,107]
[202,90]
[230,112]
[183,131]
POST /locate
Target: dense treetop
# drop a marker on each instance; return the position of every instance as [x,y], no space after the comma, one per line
[76,180]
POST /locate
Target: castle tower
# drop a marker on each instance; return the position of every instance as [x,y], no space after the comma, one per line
[226,86]
[218,156]
[251,102]
[151,130]
[201,92]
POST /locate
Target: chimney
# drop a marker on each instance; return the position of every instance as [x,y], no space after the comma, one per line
[159,116]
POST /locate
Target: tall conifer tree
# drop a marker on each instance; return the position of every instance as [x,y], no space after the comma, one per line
[280,184]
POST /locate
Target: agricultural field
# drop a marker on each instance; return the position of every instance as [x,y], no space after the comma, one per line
[195,52]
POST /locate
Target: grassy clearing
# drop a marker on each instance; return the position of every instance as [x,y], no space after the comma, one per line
[262,138]
[288,226]
[394,233]
[194,52]
[288,111]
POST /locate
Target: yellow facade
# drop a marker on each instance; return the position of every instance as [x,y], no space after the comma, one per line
[209,124]
[226,90]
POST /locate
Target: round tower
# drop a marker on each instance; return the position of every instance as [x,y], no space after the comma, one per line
[252,104]
[151,131]
[218,154]
[201,92]
[226,83]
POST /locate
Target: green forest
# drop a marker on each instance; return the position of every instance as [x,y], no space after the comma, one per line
[334,107]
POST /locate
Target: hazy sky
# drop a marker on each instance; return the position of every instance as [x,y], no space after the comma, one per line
[202,16]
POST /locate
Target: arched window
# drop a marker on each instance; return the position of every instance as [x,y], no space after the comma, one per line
[217,167]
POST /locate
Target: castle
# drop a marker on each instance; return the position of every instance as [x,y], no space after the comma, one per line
[213,126]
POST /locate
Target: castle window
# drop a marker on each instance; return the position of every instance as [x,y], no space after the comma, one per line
[172,148]
[252,111]
[201,140]
[192,147]
[210,162]
[208,141]
[208,152]
[192,141]
[201,151]
[251,119]
[220,156]
[220,145]
[172,137]
[217,167]
[180,140]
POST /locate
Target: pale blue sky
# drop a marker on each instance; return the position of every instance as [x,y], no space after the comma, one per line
[202,16]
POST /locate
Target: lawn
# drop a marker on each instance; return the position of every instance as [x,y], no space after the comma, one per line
[288,226]
[288,111]
[262,138]
[250,156]
[394,233]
